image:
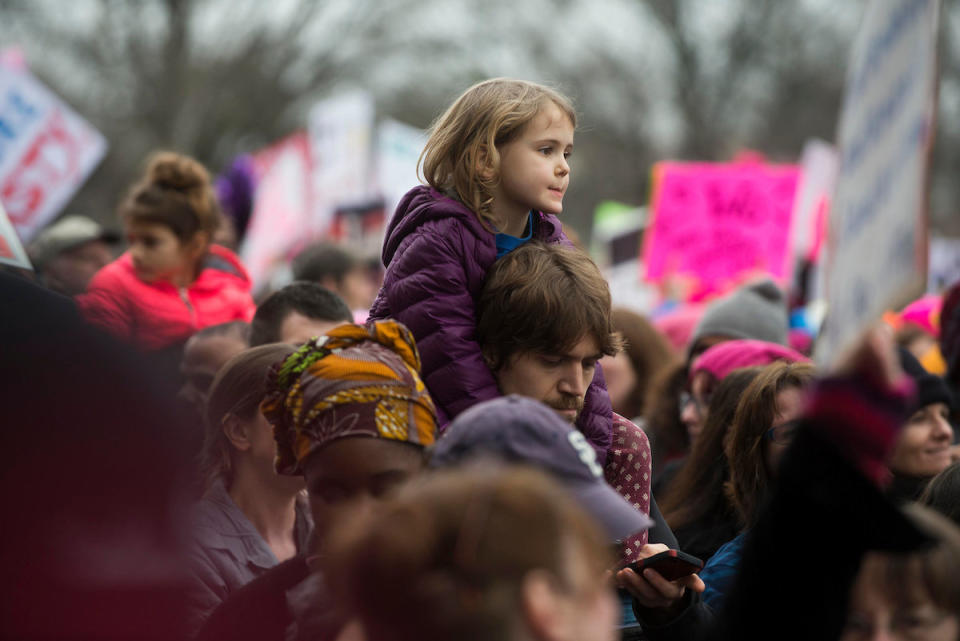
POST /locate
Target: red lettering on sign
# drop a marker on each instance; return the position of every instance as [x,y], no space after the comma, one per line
[5,251]
[52,160]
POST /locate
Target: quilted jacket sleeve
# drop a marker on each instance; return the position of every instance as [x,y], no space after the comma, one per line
[596,419]
[105,305]
[432,293]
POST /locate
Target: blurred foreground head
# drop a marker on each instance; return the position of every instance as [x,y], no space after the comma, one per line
[476,554]
[92,474]
[913,596]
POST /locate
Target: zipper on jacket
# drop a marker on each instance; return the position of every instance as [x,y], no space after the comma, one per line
[186,301]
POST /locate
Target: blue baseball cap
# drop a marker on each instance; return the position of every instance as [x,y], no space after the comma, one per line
[519,430]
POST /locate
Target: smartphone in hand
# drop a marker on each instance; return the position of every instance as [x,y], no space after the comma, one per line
[672,564]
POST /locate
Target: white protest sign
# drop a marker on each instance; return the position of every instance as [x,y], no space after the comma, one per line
[398,149]
[341,138]
[877,238]
[11,251]
[46,150]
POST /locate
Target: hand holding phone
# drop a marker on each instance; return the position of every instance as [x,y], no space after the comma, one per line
[671,564]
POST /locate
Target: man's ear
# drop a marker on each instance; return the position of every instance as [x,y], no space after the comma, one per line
[541,606]
[492,363]
[236,432]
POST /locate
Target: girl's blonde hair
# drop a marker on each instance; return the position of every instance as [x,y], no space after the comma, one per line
[468,136]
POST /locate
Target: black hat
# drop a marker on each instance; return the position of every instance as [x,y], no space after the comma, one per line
[930,387]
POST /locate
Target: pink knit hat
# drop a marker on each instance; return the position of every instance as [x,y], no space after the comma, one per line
[722,359]
[925,313]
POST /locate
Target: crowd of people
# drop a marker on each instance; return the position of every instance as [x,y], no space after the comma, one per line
[472,444]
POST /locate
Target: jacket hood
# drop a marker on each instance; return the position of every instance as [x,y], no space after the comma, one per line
[423,204]
[223,260]
[420,205]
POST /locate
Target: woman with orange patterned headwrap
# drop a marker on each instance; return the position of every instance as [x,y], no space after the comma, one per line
[351,414]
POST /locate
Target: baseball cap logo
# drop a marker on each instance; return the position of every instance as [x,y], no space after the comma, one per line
[585,453]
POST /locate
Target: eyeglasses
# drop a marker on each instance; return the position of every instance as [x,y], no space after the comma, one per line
[784,432]
[686,398]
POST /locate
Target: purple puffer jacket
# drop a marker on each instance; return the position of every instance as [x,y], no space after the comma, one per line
[437,255]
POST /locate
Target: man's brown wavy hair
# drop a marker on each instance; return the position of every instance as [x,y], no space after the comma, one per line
[543,298]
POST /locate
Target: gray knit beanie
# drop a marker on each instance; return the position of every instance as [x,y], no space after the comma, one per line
[757,311]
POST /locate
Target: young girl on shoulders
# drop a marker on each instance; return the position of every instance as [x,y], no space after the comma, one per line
[496,164]
[172,281]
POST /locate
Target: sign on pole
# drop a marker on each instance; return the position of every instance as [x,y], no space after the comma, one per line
[46,150]
[877,237]
[11,251]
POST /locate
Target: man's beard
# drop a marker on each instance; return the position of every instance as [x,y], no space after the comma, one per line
[566,403]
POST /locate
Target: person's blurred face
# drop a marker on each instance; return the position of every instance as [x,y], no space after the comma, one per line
[158,255]
[357,289]
[70,272]
[559,380]
[876,615]
[356,473]
[923,447]
[781,431]
[621,380]
[263,452]
[695,405]
[202,359]
[297,329]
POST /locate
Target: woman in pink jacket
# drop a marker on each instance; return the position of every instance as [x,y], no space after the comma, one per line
[172,281]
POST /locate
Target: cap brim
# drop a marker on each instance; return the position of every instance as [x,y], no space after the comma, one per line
[618,517]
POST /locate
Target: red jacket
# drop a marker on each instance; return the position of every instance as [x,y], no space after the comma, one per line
[157,315]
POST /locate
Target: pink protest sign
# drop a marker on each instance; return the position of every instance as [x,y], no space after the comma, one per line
[714,225]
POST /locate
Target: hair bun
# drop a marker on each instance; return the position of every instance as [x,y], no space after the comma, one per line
[170,170]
